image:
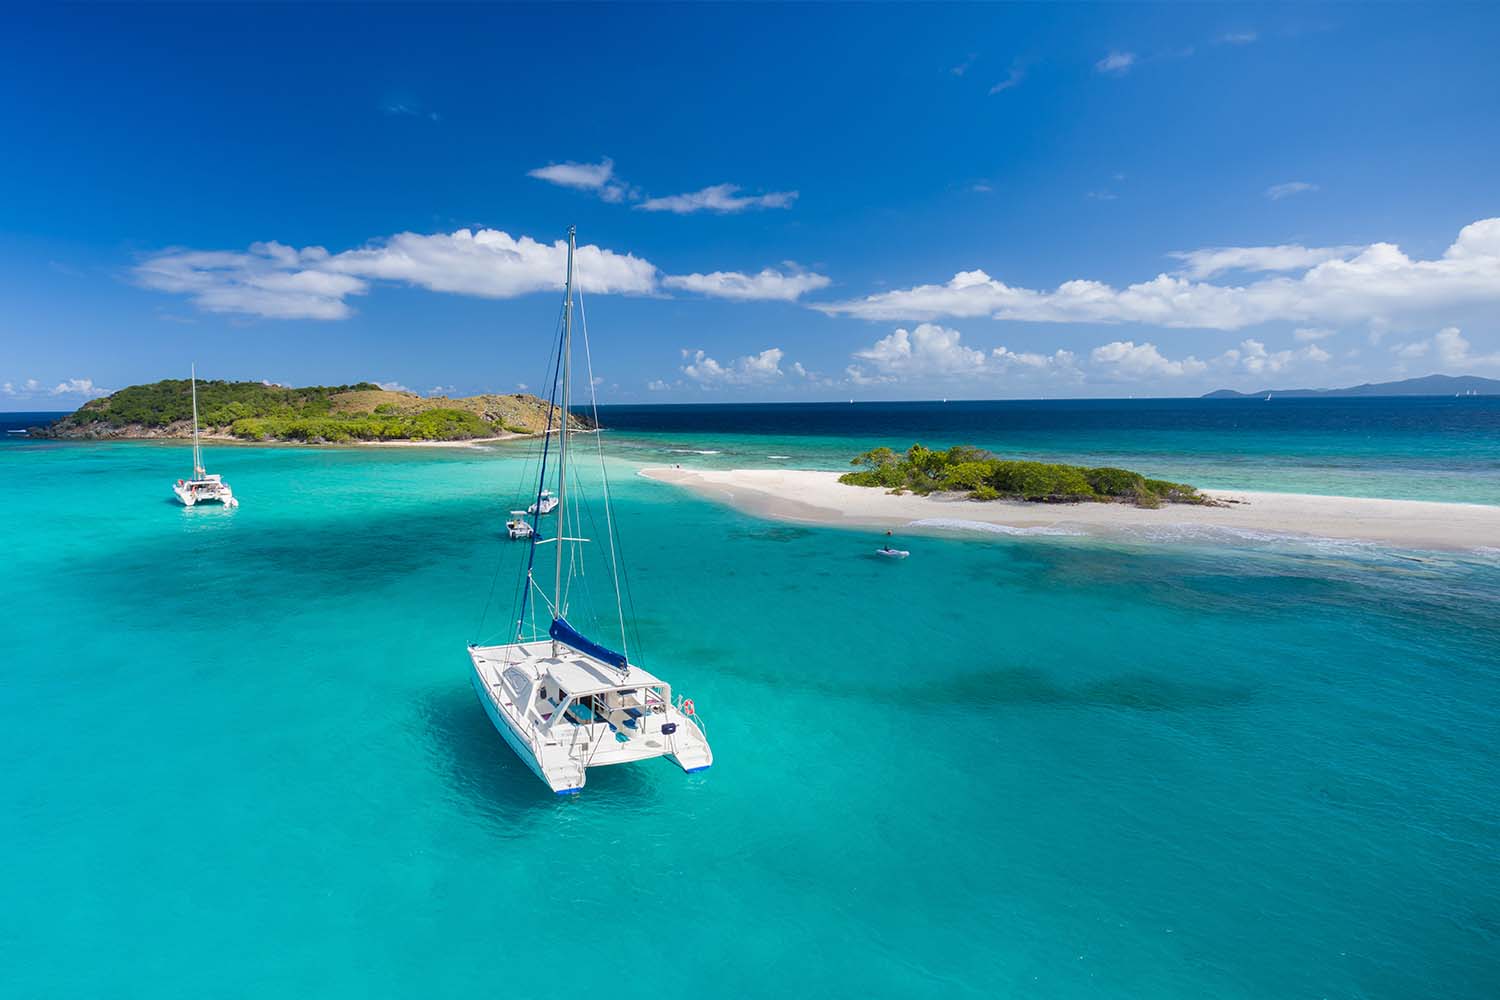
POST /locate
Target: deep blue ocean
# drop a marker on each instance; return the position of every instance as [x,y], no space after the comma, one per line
[240,756]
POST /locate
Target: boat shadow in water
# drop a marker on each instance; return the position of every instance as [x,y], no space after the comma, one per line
[484,772]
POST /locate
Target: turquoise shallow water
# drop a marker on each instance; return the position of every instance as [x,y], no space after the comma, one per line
[241,756]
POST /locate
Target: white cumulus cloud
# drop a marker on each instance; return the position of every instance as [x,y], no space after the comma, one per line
[1378,284]
[30,387]
[930,351]
[1252,356]
[749,370]
[270,279]
[1449,346]
[281,282]
[1130,360]
[75,387]
[927,350]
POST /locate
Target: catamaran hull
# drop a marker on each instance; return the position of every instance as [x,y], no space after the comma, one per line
[561,758]
[512,738]
[189,498]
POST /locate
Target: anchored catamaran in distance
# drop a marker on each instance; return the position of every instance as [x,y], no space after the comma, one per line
[202,488]
[562,701]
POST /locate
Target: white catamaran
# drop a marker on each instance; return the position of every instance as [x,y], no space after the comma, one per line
[562,701]
[202,488]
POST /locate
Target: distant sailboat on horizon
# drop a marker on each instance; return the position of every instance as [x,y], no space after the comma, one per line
[202,488]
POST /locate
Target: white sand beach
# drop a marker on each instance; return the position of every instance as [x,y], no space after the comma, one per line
[818,497]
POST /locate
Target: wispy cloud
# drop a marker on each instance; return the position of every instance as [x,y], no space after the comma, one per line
[1276,192]
[720,198]
[1238,37]
[1288,257]
[1017,74]
[963,67]
[1378,284]
[1308,334]
[768,284]
[409,109]
[393,387]
[1117,63]
[596,177]
[601,179]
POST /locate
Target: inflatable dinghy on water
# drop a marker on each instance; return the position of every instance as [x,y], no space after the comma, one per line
[891,553]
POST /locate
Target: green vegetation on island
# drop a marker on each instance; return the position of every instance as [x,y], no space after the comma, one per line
[319,414]
[984,476]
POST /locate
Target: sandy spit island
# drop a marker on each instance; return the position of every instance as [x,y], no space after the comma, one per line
[819,498]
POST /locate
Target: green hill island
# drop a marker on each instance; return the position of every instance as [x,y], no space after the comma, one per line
[985,476]
[318,414]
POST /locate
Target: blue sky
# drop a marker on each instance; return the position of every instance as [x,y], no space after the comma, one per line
[779,203]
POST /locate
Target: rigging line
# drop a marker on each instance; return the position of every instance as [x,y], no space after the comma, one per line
[609,525]
[541,480]
[577,564]
[537,449]
[484,612]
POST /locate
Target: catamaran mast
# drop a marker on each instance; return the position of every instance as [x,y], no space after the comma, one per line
[562,449]
[197,452]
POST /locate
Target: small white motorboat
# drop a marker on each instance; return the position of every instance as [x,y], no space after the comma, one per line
[518,527]
[546,503]
[891,553]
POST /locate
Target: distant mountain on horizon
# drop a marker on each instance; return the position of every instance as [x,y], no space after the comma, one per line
[1427,385]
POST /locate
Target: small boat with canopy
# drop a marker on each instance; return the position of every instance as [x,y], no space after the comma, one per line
[563,701]
[545,503]
[203,487]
